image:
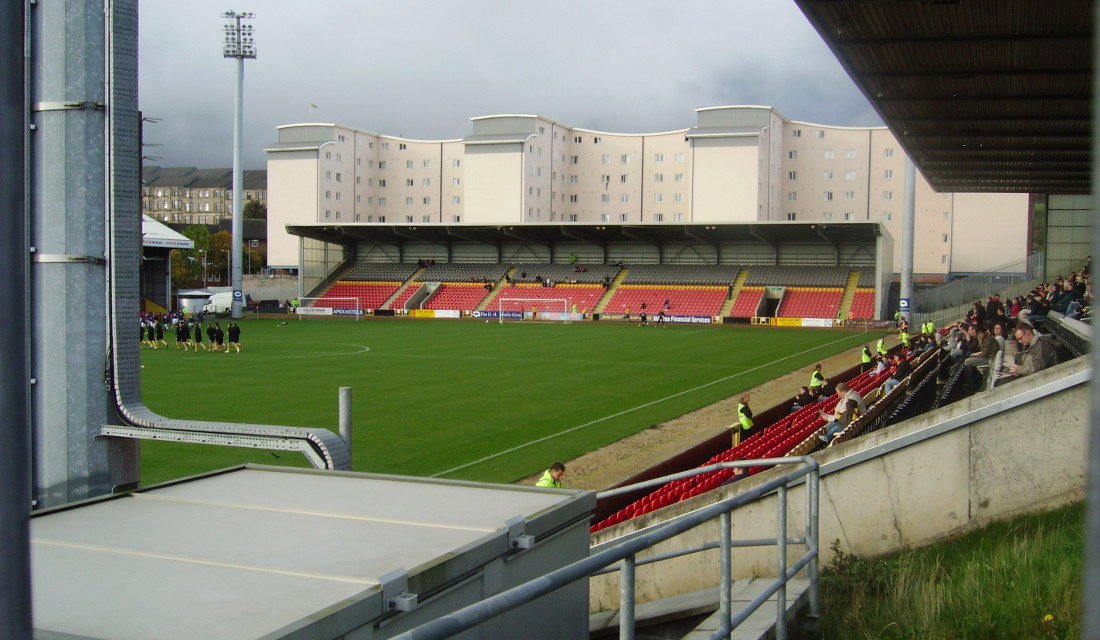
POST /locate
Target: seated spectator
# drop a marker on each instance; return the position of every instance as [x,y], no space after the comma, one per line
[847,410]
[965,344]
[1078,308]
[880,365]
[987,349]
[827,389]
[804,398]
[1036,352]
[899,371]
[1063,298]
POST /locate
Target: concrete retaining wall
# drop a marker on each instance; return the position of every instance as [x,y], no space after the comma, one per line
[1020,447]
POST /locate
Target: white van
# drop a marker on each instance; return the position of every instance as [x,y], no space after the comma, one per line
[219,303]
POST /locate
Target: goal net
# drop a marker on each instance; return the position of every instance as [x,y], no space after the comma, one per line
[329,307]
[526,309]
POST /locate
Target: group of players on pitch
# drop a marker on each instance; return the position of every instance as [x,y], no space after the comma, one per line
[189,334]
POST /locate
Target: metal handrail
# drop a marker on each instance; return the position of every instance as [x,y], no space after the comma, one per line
[625,551]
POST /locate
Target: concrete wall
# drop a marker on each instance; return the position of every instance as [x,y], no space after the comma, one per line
[1017,448]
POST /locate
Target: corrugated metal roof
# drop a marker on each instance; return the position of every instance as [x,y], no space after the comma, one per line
[984,95]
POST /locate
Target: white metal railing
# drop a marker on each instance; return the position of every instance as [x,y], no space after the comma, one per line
[624,552]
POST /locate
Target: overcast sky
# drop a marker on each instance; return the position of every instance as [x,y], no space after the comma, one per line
[421,69]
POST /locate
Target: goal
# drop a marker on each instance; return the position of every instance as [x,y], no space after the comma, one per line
[329,307]
[524,309]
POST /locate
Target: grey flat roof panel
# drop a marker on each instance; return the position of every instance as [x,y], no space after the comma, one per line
[254,551]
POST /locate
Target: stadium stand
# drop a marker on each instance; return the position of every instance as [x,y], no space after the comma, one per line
[810,302]
[380,272]
[400,300]
[747,303]
[584,296]
[461,296]
[797,276]
[565,273]
[463,272]
[863,304]
[371,295]
[692,300]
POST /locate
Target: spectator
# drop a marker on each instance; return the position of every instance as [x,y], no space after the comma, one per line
[987,349]
[1036,352]
[1062,298]
[966,344]
[900,371]
[849,405]
[865,358]
[804,398]
[817,378]
[551,478]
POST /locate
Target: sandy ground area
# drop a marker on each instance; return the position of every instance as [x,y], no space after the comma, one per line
[616,462]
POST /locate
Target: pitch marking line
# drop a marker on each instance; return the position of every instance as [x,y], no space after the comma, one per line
[641,406]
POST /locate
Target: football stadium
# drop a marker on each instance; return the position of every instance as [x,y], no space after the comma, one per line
[547,430]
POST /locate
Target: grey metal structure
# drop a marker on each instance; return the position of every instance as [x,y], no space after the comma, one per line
[239,45]
[624,551]
[271,552]
[15,436]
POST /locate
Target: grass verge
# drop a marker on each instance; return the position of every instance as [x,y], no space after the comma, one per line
[1020,578]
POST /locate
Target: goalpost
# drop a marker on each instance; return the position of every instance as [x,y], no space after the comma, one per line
[329,307]
[523,309]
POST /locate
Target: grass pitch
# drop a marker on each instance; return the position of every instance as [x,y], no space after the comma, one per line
[461,399]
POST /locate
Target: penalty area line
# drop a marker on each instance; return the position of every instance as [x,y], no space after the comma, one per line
[639,407]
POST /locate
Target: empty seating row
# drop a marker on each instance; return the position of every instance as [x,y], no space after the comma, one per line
[799,276]
[701,274]
[400,300]
[380,271]
[863,304]
[592,273]
[463,272]
[461,296]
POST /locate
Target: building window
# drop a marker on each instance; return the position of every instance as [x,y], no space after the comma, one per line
[679,177]
[792,196]
[827,215]
[658,217]
[427,200]
[573,159]
[679,157]
[427,182]
[887,216]
[381,182]
[457,162]
[946,216]
[828,154]
[888,174]
[625,158]
[605,179]
[888,153]
[658,197]
[887,195]
[605,198]
[605,159]
[409,182]
[849,215]
[572,217]
[381,164]
[358,199]
[577,139]
[624,178]
[358,179]
[658,177]
[796,133]
[945,237]
[385,146]
[408,219]
[328,155]
[456,218]
[850,196]
[792,175]
[850,154]
[328,195]
[828,196]
[328,175]
[624,197]
[622,217]
[597,140]
[338,195]
[819,134]
[792,155]
[456,200]
[427,164]
[658,157]
[943,259]
[328,213]
[425,218]
[828,175]
[409,164]
[677,197]
[409,201]
[573,198]
[605,217]
[370,145]
[573,179]
[849,175]
[791,216]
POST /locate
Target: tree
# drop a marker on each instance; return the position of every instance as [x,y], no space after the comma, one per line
[187,263]
[221,245]
[256,210]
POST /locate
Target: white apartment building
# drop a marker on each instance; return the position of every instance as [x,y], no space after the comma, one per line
[739,164]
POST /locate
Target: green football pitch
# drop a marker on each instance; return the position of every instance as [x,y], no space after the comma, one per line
[461,399]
